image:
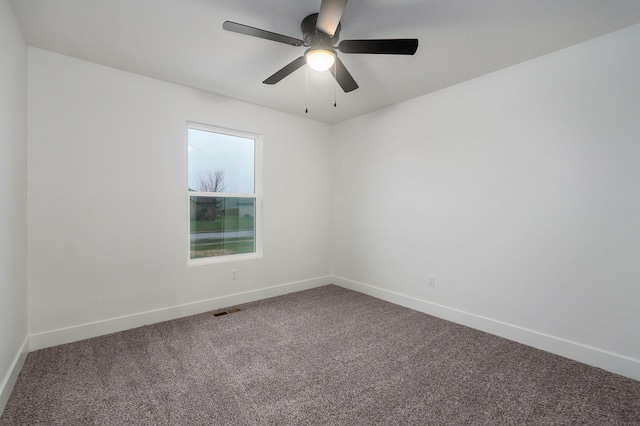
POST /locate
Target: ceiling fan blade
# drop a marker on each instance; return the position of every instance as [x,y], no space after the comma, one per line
[285,71]
[257,32]
[398,46]
[343,77]
[330,15]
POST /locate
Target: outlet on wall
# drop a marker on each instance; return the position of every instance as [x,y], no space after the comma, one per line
[431,282]
[234,274]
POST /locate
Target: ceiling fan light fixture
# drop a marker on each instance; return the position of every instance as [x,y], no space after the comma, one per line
[320,59]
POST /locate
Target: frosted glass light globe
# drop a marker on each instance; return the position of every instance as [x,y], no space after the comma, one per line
[320,59]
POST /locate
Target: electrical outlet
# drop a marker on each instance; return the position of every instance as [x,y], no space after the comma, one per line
[431,281]
[234,274]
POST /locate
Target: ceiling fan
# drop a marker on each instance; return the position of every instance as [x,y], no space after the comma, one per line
[321,33]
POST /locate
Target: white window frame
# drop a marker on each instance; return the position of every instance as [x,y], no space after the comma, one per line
[257,195]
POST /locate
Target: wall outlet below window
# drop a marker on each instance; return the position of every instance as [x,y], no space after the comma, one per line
[431,282]
[234,274]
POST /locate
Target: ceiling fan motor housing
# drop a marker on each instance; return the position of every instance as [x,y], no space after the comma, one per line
[316,38]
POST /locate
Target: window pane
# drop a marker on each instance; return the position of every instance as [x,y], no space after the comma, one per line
[220,163]
[222,226]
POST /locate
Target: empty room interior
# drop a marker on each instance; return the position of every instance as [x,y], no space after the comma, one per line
[481,180]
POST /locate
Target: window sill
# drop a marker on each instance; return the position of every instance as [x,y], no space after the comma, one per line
[223,259]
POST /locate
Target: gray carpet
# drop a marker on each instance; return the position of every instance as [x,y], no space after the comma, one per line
[317,357]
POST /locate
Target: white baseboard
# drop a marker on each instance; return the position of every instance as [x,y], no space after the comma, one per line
[12,375]
[98,328]
[612,362]
[609,361]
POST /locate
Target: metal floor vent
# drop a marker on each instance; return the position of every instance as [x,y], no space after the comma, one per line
[230,311]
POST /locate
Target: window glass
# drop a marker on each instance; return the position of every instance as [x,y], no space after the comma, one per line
[221,163]
[222,226]
[223,203]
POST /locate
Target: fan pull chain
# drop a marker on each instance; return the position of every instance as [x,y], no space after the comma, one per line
[306,90]
[335,83]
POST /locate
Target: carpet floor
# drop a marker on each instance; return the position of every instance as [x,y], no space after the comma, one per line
[326,356]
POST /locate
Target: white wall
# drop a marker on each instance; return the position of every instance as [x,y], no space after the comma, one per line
[13,186]
[519,191]
[108,208]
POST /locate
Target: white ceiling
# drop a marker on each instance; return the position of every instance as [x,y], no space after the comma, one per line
[182,41]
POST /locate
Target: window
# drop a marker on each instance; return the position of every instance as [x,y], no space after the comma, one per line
[223,188]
